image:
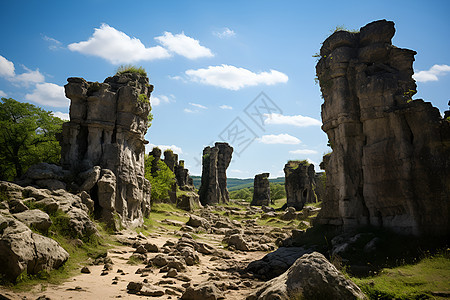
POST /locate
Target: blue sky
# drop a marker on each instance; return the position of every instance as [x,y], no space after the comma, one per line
[213,64]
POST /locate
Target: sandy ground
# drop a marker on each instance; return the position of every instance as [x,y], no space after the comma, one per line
[97,286]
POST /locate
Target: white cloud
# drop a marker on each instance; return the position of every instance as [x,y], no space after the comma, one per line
[174,148]
[2,93]
[54,44]
[48,94]
[7,70]
[299,120]
[225,107]
[198,105]
[432,74]
[234,78]
[157,100]
[303,151]
[190,111]
[279,139]
[236,171]
[225,33]
[61,115]
[6,67]
[29,77]
[117,47]
[184,45]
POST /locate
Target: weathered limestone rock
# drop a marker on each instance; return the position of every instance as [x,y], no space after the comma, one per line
[312,276]
[184,182]
[390,162]
[170,159]
[299,183]
[261,190]
[23,250]
[215,162]
[35,218]
[188,201]
[107,125]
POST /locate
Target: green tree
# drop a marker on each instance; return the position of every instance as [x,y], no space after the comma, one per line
[27,136]
[161,180]
[277,191]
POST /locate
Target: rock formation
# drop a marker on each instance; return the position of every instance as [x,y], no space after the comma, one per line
[215,161]
[390,161]
[107,125]
[185,182]
[22,249]
[299,183]
[261,190]
[312,276]
[170,159]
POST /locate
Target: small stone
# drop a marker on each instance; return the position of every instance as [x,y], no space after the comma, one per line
[85,270]
[104,272]
[172,273]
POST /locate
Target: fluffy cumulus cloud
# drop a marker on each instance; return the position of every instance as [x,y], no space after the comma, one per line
[48,94]
[234,78]
[7,70]
[225,107]
[299,120]
[184,45]
[432,74]
[61,115]
[6,67]
[303,151]
[117,47]
[279,139]
[174,148]
[157,100]
[225,33]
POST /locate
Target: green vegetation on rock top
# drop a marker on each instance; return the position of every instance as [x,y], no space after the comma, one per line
[131,69]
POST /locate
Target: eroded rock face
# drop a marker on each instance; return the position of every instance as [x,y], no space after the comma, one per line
[215,162]
[107,125]
[390,161]
[261,190]
[312,276]
[299,183]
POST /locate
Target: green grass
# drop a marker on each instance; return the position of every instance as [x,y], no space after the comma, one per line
[414,281]
[79,255]
[159,212]
[131,69]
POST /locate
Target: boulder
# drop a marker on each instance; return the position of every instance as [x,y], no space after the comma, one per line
[188,201]
[276,263]
[203,291]
[312,276]
[238,242]
[23,250]
[35,218]
[196,221]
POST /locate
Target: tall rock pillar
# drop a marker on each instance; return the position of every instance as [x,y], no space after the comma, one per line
[107,125]
[215,161]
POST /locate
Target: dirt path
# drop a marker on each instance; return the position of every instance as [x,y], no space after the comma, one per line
[114,284]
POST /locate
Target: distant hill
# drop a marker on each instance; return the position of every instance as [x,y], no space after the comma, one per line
[234,184]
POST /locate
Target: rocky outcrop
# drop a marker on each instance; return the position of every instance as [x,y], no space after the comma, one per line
[299,183]
[390,161]
[107,125]
[261,190]
[170,159]
[188,201]
[23,250]
[215,162]
[184,182]
[312,276]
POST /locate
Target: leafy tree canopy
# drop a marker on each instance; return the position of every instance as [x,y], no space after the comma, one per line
[27,136]
[161,180]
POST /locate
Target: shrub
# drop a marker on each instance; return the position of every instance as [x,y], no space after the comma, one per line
[131,69]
